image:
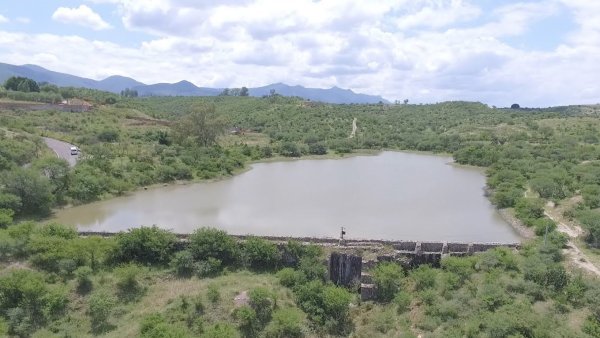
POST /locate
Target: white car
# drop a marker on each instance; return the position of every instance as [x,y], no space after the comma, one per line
[74,150]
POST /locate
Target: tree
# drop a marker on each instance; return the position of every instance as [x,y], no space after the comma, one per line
[202,126]
[244,92]
[207,243]
[225,92]
[261,254]
[515,106]
[57,171]
[21,84]
[145,245]
[33,190]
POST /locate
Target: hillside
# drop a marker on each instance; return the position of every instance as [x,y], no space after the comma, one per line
[116,84]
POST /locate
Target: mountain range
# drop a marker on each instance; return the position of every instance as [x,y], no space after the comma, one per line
[116,84]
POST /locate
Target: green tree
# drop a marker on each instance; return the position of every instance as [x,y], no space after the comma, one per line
[261,254]
[34,191]
[207,243]
[202,126]
[21,84]
[145,245]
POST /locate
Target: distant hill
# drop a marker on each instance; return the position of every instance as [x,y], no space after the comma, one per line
[116,84]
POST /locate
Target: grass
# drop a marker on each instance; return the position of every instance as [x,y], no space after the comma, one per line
[163,293]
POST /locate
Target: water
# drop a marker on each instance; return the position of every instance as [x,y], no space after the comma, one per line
[394,196]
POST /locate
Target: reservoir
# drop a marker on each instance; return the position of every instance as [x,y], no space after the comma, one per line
[392,196]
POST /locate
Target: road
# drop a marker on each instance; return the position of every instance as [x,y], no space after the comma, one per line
[577,257]
[62,150]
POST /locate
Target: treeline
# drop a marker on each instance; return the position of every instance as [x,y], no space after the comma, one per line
[25,89]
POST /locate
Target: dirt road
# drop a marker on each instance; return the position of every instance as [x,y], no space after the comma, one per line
[575,255]
[62,150]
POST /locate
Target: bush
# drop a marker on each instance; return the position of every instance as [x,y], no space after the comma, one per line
[101,307]
[261,254]
[213,293]
[84,282]
[286,323]
[263,302]
[463,267]
[290,149]
[183,264]
[388,279]
[128,286]
[155,326]
[145,245]
[317,149]
[289,277]
[424,277]
[402,301]
[213,243]
[247,322]
[6,217]
[220,330]
[208,268]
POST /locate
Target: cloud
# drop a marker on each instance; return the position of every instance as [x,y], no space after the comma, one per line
[82,15]
[3,19]
[23,20]
[423,50]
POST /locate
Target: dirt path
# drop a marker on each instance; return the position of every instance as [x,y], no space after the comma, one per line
[353,133]
[572,251]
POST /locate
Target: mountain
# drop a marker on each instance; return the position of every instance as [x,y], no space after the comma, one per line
[331,95]
[182,88]
[116,84]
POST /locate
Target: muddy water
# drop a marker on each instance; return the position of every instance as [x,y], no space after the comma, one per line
[391,196]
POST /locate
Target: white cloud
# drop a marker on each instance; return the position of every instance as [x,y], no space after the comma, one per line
[82,15]
[423,50]
[23,20]
[3,19]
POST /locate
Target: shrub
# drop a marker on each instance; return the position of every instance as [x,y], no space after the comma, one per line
[213,243]
[128,286]
[209,267]
[317,149]
[183,264]
[213,293]
[101,306]
[84,282]
[263,302]
[261,254]
[247,321]
[289,277]
[388,278]
[220,330]
[145,245]
[402,301]
[424,277]
[461,266]
[286,323]
[155,326]
[6,217]
[290,149]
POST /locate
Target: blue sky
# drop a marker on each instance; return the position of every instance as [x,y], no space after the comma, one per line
[537,53]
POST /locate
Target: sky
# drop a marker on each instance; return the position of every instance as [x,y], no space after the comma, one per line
[535,53]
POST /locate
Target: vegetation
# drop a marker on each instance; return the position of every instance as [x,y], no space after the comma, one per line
[147,283]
